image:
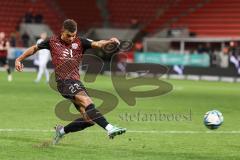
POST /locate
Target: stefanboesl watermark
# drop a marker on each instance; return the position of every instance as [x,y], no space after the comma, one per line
[156,116]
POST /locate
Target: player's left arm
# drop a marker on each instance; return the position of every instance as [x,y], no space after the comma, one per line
[100,44]
[88,43]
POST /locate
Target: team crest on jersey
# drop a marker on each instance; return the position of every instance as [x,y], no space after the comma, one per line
[74,46]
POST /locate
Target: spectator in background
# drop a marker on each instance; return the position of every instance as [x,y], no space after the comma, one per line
[25,39]
[202,49]
[13,40]
[28,17]
[138,46]
[213,57]
[208,48]
[134,23]
[38,18]
[234,55]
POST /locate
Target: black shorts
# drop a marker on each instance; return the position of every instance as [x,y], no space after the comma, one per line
[3,60]
[69,88]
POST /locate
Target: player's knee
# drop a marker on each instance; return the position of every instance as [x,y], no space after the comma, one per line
[87,102]
[83,101]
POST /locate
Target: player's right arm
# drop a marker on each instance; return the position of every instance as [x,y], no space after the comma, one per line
[30,51]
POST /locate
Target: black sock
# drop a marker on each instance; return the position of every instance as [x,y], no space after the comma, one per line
[96,116]
[77,125]
[9,71]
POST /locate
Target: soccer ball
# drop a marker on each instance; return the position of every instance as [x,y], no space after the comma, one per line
[213,119]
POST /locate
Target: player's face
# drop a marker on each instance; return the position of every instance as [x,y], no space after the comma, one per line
[68,37]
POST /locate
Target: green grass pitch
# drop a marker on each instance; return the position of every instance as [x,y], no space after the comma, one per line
[27,118]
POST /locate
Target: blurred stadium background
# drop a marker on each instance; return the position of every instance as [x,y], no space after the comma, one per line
[198,40]
[197,35]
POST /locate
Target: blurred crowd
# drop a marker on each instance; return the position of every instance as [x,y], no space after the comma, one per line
[18,39]
[220,56]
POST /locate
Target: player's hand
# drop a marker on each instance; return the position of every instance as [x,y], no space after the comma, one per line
[115,40]
[110,46]
[19,66]
[110,41]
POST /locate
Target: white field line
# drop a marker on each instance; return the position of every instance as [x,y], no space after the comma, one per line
[130,131]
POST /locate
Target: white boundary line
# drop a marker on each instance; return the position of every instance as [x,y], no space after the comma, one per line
[130,131]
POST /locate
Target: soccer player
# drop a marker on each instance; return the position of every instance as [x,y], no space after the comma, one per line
[42,60]
[67,50]
[4,47]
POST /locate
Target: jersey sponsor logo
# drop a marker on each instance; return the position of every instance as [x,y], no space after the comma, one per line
[74,46]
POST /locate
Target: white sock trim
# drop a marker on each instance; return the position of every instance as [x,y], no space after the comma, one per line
[109,127]
[62,131]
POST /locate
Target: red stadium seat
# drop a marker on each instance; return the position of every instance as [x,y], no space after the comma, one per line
[12,12]
[216,18]
[213,18]
[122,12]
[86,13]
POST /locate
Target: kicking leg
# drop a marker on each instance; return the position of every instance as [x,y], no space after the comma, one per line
[82,99]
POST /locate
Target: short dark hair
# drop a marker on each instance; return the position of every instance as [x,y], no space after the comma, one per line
[70,25]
